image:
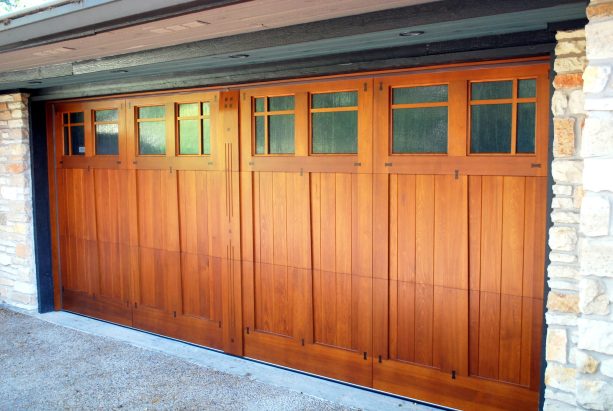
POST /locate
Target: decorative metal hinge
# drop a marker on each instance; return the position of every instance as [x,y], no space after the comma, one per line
[380,359]
[456,174]
[453,374]
[247,330]
[357,164]
[365,355]
[174,314]
[535,165]
[388,164]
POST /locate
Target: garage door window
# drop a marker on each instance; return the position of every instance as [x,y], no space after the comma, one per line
[74,134]
[194,126]
[334,123]
[107,132]
[151,130]
[274,125]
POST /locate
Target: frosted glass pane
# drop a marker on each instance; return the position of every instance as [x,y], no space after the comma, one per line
[106,115]
[491,90]
[206,136]
[526,127]
[76,117]
[526,88]
[152,137]
[189,136]
[107,139]
[420,130]
[259,105]
[206,109]
[152,112]
[260,131]
[335,132]
[426,94]
[281,103]
[66,140]
[281,134]
[331,100]
[491,128]
[186,110]
[77,140]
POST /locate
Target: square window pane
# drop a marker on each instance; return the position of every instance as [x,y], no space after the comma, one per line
[65,118]
[335,132]
[526,88]
[260,131]
[281,103]
[419,130]
[189,136]
[526,127]
[260,105]
[77,140]
[106,115]
[152,137]
[76,117]
[281,134]
[331,100]
[206,136]
[186,110]
[426,94]
[206,109]
[492,90]
[107,139]
[491,128]
[66,140]
[152,112]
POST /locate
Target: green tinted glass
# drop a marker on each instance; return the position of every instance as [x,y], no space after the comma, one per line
[332,100]
[188,110]
[260,139]
[66,141]
[335,132]
[106,115]
[413,95]
[526,127]
[107,139]
[260,105]
[206,136]
[491,128]
[77,140]
[189,136]
[419,130]
[152,137]
[492,90]
[526,88]
[151,112]
[76,117]
[281,134]
[281,103]
[206,109]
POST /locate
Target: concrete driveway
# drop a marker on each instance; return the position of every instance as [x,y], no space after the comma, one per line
[49,366]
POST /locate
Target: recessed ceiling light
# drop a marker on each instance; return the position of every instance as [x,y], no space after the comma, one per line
[35,82]
[411,33]
[238,56]
[346,64]
[119,71]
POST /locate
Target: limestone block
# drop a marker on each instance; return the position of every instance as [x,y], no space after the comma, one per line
[570,64]
[562,238]
[595,215]
[566,303]
[585,363]
[599,40]
[556,345]
[593,298]
[562,271]
[596,256]
[597,174]
[595,78]
[564,137]
[559,103]
[595,394]
[560,377]
[567,171]
[597,135]
[576,102]
[595,335]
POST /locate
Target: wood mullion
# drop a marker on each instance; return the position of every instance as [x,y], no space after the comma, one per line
[421,105]
[333,109]
[200,135]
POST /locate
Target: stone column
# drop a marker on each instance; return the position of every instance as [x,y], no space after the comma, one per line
[17,269]
[580,322]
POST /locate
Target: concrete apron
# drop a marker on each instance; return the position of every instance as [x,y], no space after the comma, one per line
[326,389]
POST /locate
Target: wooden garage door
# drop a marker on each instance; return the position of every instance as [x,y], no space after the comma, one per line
[387,230]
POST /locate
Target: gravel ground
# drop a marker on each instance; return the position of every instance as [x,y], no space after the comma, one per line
[47,367]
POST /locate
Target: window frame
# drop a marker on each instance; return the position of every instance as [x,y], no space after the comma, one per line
[200,118]
[266,114]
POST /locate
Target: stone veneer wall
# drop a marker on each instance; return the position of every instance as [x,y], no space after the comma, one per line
[579,350]
[17,270]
